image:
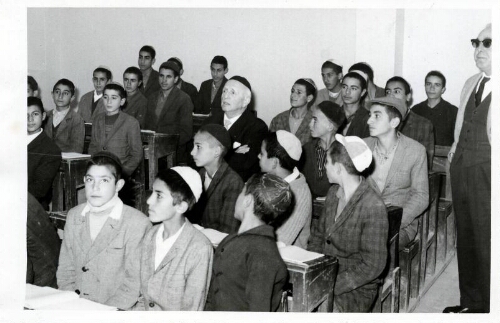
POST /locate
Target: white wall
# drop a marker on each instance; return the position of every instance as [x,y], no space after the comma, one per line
[271,47]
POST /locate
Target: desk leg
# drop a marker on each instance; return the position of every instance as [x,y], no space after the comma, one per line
[58,192]
[327,304]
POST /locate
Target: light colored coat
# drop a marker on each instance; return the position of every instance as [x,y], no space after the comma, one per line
[85,107]
[106,270]
[70,134]
[181,281]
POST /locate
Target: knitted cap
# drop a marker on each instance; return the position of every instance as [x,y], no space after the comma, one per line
[336,62]
[218,132]
[358,151]
[242,80]
[192,178]
[290,143]
[399,104]
[333,112]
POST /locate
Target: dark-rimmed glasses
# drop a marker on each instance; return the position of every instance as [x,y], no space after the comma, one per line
[486,42]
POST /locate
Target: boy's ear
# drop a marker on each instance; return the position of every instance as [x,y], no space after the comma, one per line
[181,72]
[310,97]
[226,70]
[119,184]
[395,122]
[72,98]
[363,92]
[176,79]
[44,115]
[122,101]
[181,207]
[153,61]
[443,90]
[139,84]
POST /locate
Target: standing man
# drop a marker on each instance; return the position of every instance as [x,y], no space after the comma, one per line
[470,172]
[150,77]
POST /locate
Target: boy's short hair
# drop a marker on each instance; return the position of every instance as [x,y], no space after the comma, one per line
[179,189]
[33,100]
[310,89]
[272,197]
[110,160]
[104,70]
[32,83]
[134,70]
[175,60]
[365,68]
[274,149]
[67,83]
[329,64]
[149,49]
[357,76]
[219,60]
[437,74]
[171,66]
[401,80]
[117,87]
[338,153]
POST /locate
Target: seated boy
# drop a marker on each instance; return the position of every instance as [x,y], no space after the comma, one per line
[136,101]
[400,167]
[221,184]
[101,246]
[248,272]
[176,258]
[331,73]
[64,125]
[32,86]
[91,103]
[210,95]
[117,132]
[353,226]
[44,157]
[187,87]
[146,60]
[279,155]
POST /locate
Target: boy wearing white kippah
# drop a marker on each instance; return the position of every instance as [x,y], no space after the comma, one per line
[176,258]
[353,226]
[279,155]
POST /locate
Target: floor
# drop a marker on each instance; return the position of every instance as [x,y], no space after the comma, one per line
[444,292]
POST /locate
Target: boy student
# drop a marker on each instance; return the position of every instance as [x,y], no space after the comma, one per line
[117,132]
[400,172]
[327,118]
[32,86]
[64,125]
[221,184]
[44,156]
[209,96]
[440,112]
[136,101]
[413,125]
[353,93]
[279,155]
[91,103]
[331,72]
[170,110]
[353,227]
[176,258]
[150,83]
[99,257]
[372,90]
[189,88]
[248,272]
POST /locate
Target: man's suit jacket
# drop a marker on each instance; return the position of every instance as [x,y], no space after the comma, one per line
[124,140]
[181,281]
[70,134]
[190,90]
[469,88]
[358,238]
[176,117]
[205,105]
[153,84]
[44,159]
[105,270]
[407,184]
[247,130]
[85,107]
[281,122]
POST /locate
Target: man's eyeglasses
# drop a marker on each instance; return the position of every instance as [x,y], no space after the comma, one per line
[486,42]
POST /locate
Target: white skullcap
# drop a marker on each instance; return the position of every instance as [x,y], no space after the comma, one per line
[192,178]
[358,151]
[290,143]
[336,62]
[363,74]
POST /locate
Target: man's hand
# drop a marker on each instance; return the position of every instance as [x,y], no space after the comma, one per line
[450,156]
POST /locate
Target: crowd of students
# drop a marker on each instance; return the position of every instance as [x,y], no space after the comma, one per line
[253,182]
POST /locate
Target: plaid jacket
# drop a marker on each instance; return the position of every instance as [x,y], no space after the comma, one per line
[420,129]
[358,238]
[281,122]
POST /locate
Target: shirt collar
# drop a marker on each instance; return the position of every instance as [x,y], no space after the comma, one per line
[115,203]
[293,176]
[97,96]
[172,239]
[231,120]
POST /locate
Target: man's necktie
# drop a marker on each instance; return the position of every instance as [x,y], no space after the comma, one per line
[480,90]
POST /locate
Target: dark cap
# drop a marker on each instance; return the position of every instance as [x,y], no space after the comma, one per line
[332,111]
[218,132]
[108,155]
[399,104]
[242,80]
[171,66]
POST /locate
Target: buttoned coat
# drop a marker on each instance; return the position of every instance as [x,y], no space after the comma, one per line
[85,107]
[205,105]
[136,107]
[153,84]
[181,281]
[106,270]
[124,140]
[247,130]
[358,238]
[176,116]
[70,134]
[421,130]
[282,122]
[407,184]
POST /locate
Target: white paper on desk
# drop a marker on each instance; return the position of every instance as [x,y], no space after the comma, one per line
[148,131]
[73,155]
[200,115]
[214,236]
[297,255]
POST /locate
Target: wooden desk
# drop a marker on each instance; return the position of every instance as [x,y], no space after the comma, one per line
[156,146]
[67,182]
